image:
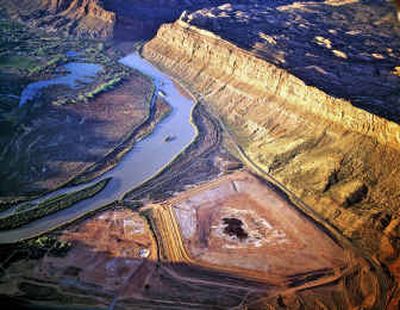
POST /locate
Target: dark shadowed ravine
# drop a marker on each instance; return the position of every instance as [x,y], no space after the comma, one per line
[171,136]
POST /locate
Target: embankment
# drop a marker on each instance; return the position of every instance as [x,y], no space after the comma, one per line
[341,160]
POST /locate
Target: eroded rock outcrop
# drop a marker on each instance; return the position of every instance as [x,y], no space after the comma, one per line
[255,77]
[341,160]
[139,20]
[83,18]
[126,20]
[347,48]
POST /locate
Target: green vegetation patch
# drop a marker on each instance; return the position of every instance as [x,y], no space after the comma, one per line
[28,54]
[46,244]
[17,62]
[50,206]
[104,87]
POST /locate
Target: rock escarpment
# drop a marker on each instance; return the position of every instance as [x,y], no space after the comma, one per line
[251,75]
[341,160]
[139,20]
[347,48]
[82,18]
[123,20]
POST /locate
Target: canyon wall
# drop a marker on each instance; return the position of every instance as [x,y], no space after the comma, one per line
[342,161]
[257,78]
[139,20]
[82,18]
[123,20]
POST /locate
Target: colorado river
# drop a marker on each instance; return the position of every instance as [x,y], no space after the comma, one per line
[142,162]
[78,73]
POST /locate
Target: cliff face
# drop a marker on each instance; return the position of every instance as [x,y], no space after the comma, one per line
[129,20]
[139,20]
[251,75]
[82,18]
[349,49]
[341,160]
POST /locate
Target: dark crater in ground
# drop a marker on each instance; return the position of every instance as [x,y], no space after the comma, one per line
[234,227]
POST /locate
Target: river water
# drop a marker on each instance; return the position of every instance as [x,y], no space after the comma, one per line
[148,157]
[78,73]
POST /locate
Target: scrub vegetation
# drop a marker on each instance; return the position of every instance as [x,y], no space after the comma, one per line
[50,206]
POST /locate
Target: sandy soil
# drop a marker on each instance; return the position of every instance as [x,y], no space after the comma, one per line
[106,251]
[179,255]
[113,260]
[239,226]
[278,240]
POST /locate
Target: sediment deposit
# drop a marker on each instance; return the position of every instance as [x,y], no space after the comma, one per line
[237,225]
[338,158]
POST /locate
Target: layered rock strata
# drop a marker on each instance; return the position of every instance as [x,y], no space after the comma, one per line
[347,48]
[139,20]
[82,18]
[339,159]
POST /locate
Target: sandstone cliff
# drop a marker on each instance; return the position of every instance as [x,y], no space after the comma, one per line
[82,18]
[139,20]
[257,78]
[129,20]
[341,160]
[347,48]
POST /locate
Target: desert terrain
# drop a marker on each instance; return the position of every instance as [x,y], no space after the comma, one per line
[235,234]
[276,126]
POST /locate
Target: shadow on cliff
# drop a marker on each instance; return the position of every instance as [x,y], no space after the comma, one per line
[139,20]
[349,50]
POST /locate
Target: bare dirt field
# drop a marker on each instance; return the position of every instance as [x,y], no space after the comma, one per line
[105,252]
[112,261]
[240,226]
[204,248]
[239,223]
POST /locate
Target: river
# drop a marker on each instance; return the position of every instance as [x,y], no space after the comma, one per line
[78,73]
[145,160]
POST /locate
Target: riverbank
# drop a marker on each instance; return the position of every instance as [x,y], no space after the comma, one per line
[50,107]
[149,156]
[43,158]
[159,109]
[200,165]
[28,213]
[201,161]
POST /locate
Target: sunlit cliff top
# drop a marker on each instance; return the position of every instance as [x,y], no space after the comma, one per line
[350,49]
